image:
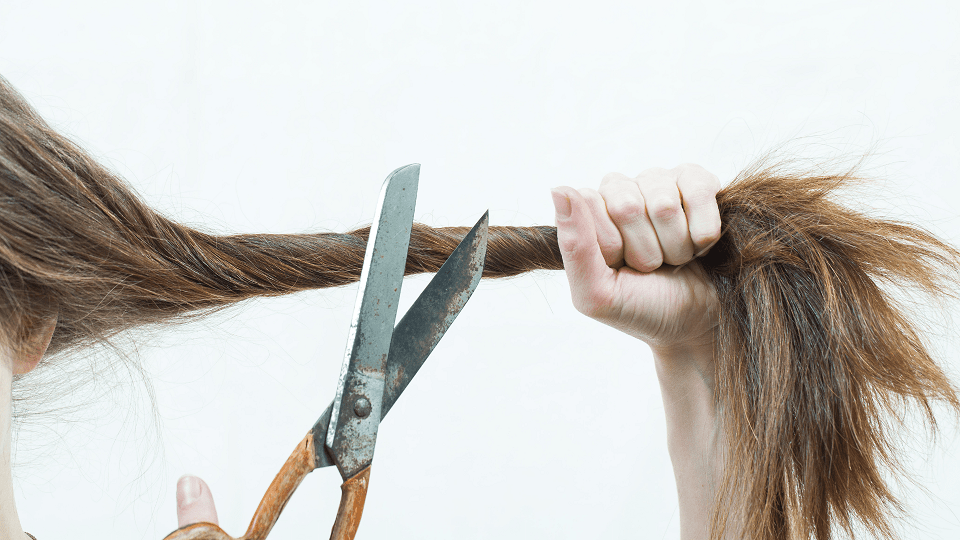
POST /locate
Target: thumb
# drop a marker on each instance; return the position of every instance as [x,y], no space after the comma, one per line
[591,280]
[194,502]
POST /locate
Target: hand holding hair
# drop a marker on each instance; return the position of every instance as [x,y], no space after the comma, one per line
[617,244]
[811,356]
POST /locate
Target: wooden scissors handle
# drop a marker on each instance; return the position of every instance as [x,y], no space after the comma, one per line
[353,494]
[352,498]
[297,466]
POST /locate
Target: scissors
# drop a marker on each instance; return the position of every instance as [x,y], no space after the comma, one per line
[379,362]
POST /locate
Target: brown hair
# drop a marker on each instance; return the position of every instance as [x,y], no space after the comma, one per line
[75,239]
[813,353]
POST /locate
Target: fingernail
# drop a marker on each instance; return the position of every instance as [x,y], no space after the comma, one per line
[561,203]
[189,488]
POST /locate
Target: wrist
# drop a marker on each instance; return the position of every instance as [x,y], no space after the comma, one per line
[678,362]
[686,377]
[687,383]
[687,386]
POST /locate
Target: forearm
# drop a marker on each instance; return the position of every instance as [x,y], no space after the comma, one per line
[687,386]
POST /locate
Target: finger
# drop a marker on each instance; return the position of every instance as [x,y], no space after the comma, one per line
[591,280]
[626,208]
[608,237]
[662,198]
[614,177]
[698,190]
[194,502]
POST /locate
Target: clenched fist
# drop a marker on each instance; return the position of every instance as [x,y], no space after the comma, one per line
[629,250]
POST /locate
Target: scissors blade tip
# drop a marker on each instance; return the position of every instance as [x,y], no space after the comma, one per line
[411,170]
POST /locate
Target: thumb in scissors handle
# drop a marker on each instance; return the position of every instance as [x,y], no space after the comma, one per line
[297,466]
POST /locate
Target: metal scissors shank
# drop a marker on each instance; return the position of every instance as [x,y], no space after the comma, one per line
[379,362]
[355,419]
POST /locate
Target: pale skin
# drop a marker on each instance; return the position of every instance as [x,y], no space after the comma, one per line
[615,243]
[622,245]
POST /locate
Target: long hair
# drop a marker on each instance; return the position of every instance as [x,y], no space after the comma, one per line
[75,240]
[813,353]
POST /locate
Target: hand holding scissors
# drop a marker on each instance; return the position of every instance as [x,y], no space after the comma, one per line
[379,362]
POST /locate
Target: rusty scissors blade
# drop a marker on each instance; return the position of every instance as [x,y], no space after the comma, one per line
[414,338]
[357,408]
[380,360]
[420,329]
[355,419]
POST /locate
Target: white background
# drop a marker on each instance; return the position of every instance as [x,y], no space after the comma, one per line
[529,420]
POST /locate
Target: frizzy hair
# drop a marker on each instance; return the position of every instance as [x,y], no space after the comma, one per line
[813,354]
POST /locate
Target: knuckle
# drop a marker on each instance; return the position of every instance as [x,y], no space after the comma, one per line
[664,208]
[625,209]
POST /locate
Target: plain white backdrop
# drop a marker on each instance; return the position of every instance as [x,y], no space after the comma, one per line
[529,420]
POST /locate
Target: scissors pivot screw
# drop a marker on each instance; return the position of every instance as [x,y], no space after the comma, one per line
[362,407]
[380,359]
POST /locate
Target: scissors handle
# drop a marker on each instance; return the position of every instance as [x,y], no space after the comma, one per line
[352,497]
[297,466]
